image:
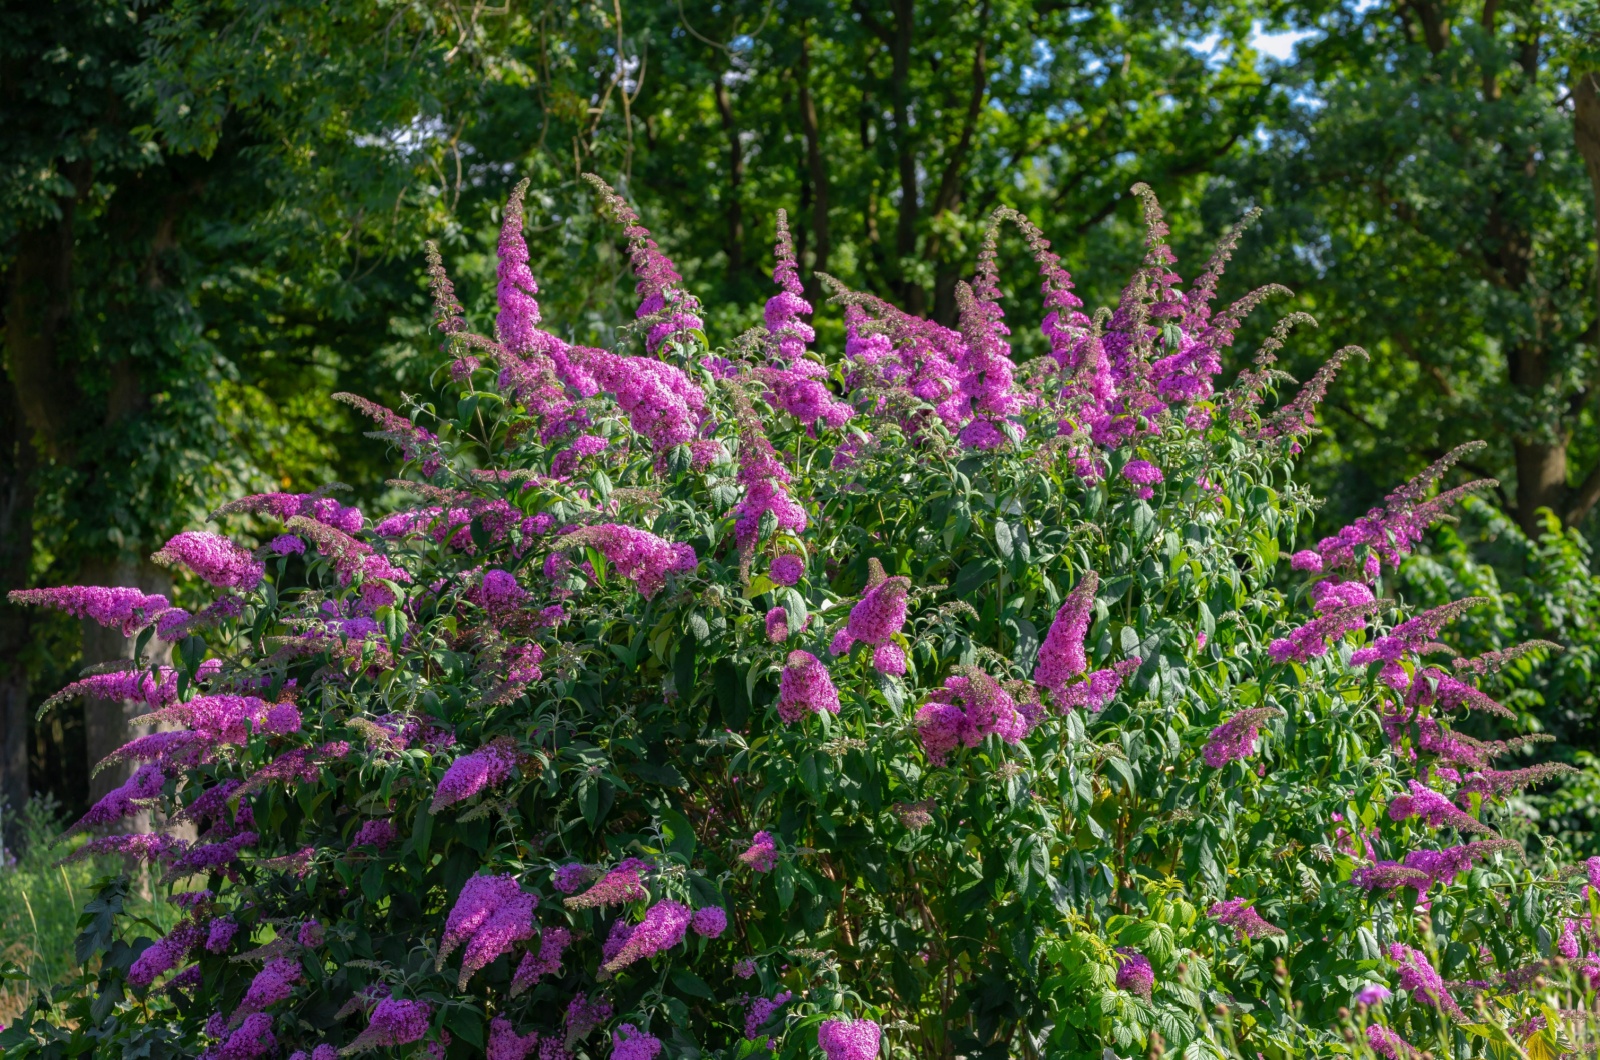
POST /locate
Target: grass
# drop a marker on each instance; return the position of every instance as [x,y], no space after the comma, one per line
[40,899]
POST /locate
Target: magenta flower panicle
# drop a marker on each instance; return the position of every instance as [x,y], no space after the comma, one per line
[1061,655]
[849,1039]
[805,688]
[127,609]
[217,560]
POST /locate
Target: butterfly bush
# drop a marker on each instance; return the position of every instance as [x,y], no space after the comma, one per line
[901,698]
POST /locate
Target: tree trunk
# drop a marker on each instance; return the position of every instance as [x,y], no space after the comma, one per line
[1586,134]
[735,238]
[110,723]
[912,296]
[821,235]
[16,552]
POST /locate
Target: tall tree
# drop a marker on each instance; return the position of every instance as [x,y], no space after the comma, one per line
[1429,182]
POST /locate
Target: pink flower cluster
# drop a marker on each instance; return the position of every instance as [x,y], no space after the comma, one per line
[471,774]
[164,954]
[1418,976]
[630,1043]
[285,506]
[1235,739]
[506,1044]
[761,1011]
[762,855]
[1061,655]
[621,884]
[393,1022]
[765,481]
[875,619]
[659,281]
[1134,973]
[968,708]
[662,928]
[797,383]
[127,609]
[274,983]
[805,688]
[849,1039]
[1144,475]
[1240,915]
[217,560]
[787,569]
[491,915]
[553,943]
[638,555]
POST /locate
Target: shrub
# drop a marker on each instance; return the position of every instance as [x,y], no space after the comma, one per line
[718,703]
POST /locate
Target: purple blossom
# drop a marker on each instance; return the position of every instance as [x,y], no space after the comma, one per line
[630,1043]
[584,1015]
[761,1011]
[163,955]
[220,934]
[1061,655]
[286,545]
[787,569]
[1306,559]
[1418,976]
[584,445]
[969,707]
[491,914]
[638,555]
[1434,808]
[126,800]
[1134,973]
[777,625]
[517,321]
[1390,876]
[127,609]
[805,688]
[1443,866]
[487,767]
[553,943]
[572,877]
[849,1039]
[889,659]
[500,591]
[311,934]
[378,832]
[1387,1043]
[272,984]
[878,615]
[1373,994]
[1144,475]
[506,1044]
[1235,739]
[217,560]
[659,282]
[1238,914]
[1388,534]
[253,1038]
[621,884]
[394,1022]
[710,921]
[762,854]
[285,506]
[661,403]
[745,968]
[662,928]
[139,846]
[1311,640]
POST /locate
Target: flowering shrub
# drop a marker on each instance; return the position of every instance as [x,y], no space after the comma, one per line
[901,701]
